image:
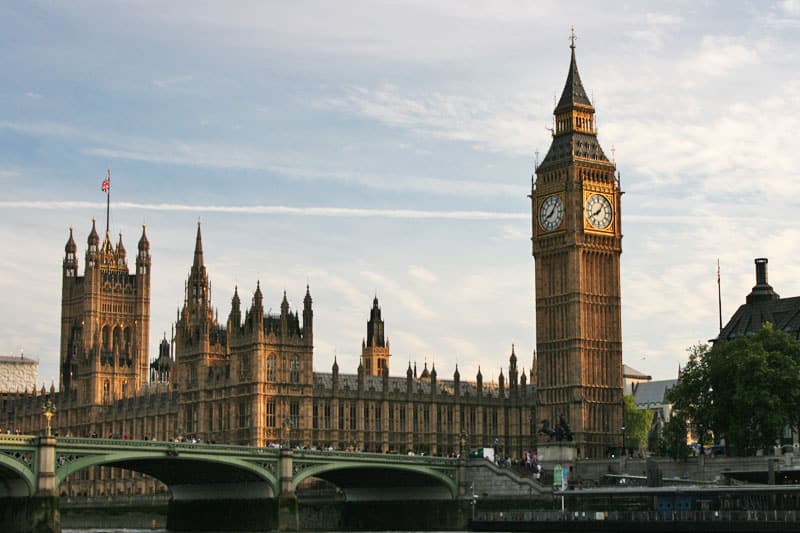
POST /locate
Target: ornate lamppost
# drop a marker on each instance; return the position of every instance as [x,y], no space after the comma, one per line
[287,429]
[48,411]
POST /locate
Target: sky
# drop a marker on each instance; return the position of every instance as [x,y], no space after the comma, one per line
[386,148]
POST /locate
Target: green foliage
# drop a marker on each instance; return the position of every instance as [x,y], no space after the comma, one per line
[673,438]
[637,424]
[745,390]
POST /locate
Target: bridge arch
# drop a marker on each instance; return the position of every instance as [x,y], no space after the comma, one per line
[17,476]
[188,475]
[382,481]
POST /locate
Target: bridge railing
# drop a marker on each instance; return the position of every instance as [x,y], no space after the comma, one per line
[20,440]
[381,457]
[94,442]
[164,445]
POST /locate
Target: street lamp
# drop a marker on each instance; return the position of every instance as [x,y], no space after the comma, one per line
[48,411]
[624,451]
[287,428]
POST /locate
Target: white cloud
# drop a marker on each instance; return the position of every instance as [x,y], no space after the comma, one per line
[345,212]
[483,121]
[720,55]
[394,289]
[421,273]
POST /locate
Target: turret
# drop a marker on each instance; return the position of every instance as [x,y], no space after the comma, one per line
[501,383]
[120,251]
[308,318]
[409,379]
[197,297]
[235,316]
[375,347]
[143,255]
[70,257]
[479,382]
[284,315]
[512,372]
[433,379]
[93,246]
[335,375]
[457,382]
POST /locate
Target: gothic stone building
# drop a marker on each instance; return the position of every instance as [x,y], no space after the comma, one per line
[249,380]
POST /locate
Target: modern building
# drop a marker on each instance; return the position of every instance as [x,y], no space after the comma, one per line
[18,373]
[577,243]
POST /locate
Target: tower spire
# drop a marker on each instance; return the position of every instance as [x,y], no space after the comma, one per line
[198,248]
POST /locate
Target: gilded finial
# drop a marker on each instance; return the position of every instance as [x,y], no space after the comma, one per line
[572,37]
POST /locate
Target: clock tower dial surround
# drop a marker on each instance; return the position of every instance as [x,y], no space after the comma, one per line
[577,278]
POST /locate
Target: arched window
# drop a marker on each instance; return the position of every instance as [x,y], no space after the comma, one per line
[106,391]
[294,370]
[117,339]
[271,360]
[106,338]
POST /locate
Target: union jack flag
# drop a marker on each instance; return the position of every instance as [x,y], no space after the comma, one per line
[106,184]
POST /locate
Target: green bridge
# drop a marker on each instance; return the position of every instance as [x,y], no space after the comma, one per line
[219,487]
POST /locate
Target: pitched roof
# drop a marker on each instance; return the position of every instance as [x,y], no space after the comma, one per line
[652,392]
[630,372]
[573,94]
[784,314]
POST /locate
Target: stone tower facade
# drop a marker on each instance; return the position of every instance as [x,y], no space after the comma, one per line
[244,381]
[375,348]
[105,321]
[577,242]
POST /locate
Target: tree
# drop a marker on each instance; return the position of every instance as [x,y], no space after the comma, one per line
[672,442]
[745,390]
[637,424]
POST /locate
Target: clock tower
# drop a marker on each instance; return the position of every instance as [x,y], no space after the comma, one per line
[577,243]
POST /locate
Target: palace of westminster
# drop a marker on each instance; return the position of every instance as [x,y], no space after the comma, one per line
[249,380]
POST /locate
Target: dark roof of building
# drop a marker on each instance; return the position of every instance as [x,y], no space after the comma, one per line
[573,146]
[573,93]
[784,314]
[652,392]
[630,372]
[763,305]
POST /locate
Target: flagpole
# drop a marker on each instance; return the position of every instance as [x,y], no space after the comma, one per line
[719,296]
[108,200]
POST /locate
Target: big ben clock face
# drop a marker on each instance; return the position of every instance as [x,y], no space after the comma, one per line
[551,213]
[598,211]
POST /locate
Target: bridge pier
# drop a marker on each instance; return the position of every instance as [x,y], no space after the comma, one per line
[38,513]
[288,517]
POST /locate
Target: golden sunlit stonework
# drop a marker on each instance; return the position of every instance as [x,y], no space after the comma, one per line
[577,242]
[249,378]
